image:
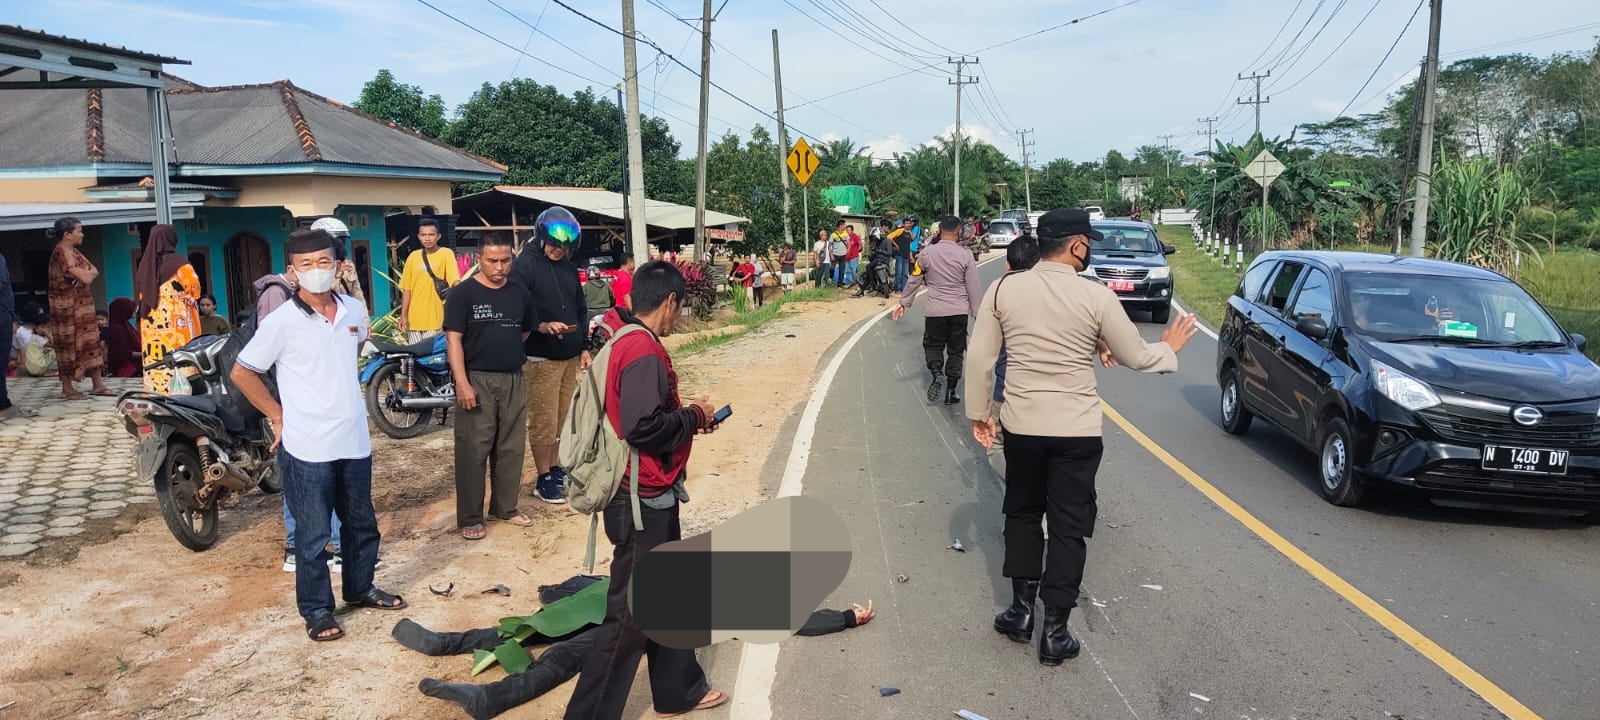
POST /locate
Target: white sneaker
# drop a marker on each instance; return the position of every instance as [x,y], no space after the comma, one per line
[288,560]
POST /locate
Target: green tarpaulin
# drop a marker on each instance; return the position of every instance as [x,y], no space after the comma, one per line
[853,196]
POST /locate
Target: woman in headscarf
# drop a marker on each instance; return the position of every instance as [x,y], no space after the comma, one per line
[122,340]
[73,326]
[168,290]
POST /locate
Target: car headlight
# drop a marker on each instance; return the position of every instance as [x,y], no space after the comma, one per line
[1160,273]
[1406,391]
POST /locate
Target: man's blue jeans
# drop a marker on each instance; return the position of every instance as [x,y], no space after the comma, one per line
[902,272]
[850,271]
[288,527]
[342,488]
[839,272]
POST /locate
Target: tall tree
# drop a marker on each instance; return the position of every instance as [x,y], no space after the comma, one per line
[403,105]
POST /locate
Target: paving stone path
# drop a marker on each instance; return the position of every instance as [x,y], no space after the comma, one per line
[69,467]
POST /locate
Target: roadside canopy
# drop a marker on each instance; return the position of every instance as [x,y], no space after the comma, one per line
[35,216]
[664,220]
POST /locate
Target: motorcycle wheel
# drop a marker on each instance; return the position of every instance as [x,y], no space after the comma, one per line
[396,422]
[177,480]
[272,482]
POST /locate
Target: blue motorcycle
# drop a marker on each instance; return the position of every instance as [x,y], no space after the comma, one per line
[406,383]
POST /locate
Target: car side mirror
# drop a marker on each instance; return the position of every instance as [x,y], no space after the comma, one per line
[1312,327]
[1581,341]
[1168,249]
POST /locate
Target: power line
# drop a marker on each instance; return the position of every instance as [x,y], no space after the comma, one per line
[1529,38]
[873,31]
[1311,42]
[1381,63]
[1019,38]
[1335,50]
[681,64]
[1278,59]
[842,36]
[1275,37]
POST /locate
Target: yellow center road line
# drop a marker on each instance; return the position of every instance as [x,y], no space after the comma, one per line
[1457,669]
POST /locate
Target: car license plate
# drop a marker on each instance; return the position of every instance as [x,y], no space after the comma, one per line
[1525,460]
[1120,285]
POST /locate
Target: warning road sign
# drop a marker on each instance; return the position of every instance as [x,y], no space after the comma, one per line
[802,162]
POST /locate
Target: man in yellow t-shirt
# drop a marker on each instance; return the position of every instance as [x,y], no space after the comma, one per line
[421,308]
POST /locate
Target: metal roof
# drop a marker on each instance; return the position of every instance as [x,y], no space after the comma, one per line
[36,216]
[658,213]
[35,59]
[247,125]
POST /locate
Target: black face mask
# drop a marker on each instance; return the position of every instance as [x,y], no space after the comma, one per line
[1084,258]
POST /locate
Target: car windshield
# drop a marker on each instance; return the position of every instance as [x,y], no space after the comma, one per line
[1125,240]
[1407,308]
[1092,209]
[1002,226]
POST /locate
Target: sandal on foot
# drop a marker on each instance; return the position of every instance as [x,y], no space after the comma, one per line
[104,392]
[318,624]
[74,395]
[520,519]
[711,700]
[474,532]
[380,600]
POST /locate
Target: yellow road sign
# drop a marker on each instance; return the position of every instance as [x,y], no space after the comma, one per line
[802,162]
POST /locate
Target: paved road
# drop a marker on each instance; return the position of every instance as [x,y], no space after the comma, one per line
[1235,629]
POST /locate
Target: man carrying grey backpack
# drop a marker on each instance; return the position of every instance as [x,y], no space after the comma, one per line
[642,408]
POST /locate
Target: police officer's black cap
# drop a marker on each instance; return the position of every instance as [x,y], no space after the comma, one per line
[1066,222]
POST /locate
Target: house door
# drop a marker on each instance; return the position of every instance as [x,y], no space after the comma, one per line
[247,257]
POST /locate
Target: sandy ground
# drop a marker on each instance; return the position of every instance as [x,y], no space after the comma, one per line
[131,625]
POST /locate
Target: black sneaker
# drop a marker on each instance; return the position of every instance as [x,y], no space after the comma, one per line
[936,386]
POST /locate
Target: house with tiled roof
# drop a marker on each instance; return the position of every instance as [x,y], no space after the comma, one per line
[248,165]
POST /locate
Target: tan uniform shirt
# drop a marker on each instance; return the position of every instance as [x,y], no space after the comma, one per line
[1049,319]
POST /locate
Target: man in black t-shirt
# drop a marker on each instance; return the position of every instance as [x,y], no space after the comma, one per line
[486,320]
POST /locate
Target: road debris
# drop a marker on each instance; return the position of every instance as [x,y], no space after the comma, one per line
[969,715]
[956,546]
[1199,697]
[503,590]
[1097,603]
[902,578]
[1152,587]
[448,589]
[886,692]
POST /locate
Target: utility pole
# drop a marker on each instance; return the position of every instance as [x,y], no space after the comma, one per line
[1209,132]
[783,139]
[627,219]
[1419,214]
[1258,101]
[959,82]
[1027,187]
[700,161]
[1166,151]
[638,237]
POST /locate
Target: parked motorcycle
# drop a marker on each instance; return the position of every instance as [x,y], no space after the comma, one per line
[197,449]
[405,384]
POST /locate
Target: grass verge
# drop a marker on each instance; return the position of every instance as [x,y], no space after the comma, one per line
[1563,283]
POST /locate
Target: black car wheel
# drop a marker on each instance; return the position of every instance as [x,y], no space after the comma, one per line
[1340,485]
[1162,314]
[1235,418]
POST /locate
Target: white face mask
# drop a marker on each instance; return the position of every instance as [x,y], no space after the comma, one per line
[316,281]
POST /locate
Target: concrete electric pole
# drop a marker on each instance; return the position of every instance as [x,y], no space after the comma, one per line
[1258,101]
[1166,151]
[1027,186]
[959,82]
[700,161]
[1419,213]
[1209,132]
[638,237]
[783,141]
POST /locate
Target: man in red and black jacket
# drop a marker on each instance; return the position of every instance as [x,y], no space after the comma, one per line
[643,406]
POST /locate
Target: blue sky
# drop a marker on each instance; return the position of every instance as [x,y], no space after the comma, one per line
[1150,67]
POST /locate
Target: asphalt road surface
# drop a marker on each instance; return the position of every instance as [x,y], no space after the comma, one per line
[1188,611]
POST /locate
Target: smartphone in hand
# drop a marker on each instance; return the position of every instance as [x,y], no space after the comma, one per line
[723,414]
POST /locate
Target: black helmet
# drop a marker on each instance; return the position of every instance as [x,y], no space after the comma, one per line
[558,227]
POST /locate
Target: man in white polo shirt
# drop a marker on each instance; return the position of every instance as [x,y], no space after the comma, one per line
[324,452]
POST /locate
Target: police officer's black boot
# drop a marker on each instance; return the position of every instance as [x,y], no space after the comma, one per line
[950,396]
[1017,621]
[935,386]
[1056,644]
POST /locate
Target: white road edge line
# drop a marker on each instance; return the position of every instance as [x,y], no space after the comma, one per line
[758,664]
[1198,322]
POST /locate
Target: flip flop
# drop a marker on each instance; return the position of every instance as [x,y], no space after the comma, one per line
[17,411]
[473,532]
[379,600]
[715,698]
[104,392]
[74,396]
[520,520]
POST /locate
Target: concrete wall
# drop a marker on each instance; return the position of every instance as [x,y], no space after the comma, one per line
[44,190]
[310,195]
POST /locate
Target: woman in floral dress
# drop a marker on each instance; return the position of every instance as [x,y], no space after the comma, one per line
[168,291]
[73,326]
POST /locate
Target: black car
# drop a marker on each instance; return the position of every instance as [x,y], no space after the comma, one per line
[1132,261]
[1447,379]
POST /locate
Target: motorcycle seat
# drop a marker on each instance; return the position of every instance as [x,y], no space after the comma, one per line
[195,402]
[421,348]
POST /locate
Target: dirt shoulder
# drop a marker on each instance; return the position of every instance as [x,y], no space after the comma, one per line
[138,627]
